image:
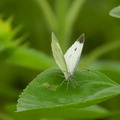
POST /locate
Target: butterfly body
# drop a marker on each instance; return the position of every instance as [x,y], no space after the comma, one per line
[69,61]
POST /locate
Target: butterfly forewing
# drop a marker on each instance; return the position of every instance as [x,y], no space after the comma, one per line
[73,54]
[58,55]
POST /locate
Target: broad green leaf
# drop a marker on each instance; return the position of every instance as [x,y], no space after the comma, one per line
[115,12]
[112,69]
[45,92]
[31,58]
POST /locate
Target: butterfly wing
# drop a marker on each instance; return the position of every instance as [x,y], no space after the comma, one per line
[58,55]
[73,54]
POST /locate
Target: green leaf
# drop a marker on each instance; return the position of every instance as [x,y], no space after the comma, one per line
[110,68]
[31,58]
[115,12]
[45,92]
[99,51]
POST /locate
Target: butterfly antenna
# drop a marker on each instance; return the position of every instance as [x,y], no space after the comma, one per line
[75,83]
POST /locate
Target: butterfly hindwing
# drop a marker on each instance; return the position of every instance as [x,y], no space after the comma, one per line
[73,54]
[58,55]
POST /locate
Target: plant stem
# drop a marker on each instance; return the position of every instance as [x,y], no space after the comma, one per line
[72,14]
[50,17]
[61,9]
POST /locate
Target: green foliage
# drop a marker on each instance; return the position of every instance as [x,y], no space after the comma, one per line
[5,39]
[31,58]
[39,18]
[98,52]
[110,68]
[66,16]
[115,12]
[92,112]
[13,52]
[45,93]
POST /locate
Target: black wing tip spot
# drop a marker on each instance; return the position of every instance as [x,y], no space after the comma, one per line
[81,39]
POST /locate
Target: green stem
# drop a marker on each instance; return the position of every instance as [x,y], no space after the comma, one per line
[72,15]
[73,11]
[50,17]
[99,52]
[61,9]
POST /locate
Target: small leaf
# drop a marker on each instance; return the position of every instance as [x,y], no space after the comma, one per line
[115,12]
[31,58]
[93,87]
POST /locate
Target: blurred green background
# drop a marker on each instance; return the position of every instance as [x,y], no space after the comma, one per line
[101,49]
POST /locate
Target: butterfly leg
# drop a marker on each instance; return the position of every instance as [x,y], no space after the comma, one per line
[60,75]
[62,83]
[74,83]
[68,82]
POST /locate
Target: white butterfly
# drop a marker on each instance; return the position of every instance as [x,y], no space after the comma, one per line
[69,61]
